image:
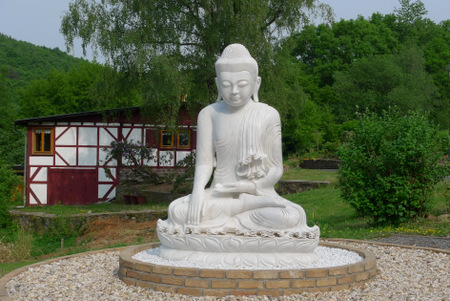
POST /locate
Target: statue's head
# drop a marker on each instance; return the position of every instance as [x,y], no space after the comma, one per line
[236,67]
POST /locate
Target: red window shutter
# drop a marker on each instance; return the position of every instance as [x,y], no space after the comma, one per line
[152,137]
[194,139]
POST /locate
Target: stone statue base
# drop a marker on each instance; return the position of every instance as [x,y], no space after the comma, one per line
[239,251]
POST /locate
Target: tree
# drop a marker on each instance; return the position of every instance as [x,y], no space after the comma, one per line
[82,88]
[327,48]
[190,34]
[324,49]
[409,17]
[379,82]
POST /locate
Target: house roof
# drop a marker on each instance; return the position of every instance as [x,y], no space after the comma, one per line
[80,116]
[126,115]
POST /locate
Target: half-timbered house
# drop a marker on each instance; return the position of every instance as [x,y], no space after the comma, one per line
[66,155]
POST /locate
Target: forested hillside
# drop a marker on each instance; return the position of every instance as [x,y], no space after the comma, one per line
[26,62]
[22,64]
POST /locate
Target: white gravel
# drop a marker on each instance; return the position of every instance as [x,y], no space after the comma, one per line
[405,274]
[328,257]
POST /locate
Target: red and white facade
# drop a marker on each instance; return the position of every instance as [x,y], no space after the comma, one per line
[66,157]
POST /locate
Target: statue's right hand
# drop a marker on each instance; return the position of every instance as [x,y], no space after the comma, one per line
[196,207]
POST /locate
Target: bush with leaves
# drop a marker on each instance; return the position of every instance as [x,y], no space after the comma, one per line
[390,166]
[8,193]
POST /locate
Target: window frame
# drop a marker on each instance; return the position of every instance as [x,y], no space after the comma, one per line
[34,140]
[161,140]
[188,146]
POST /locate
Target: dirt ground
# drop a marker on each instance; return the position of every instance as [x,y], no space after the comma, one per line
[113,231]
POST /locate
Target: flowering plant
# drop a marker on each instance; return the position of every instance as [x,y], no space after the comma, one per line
[131,153]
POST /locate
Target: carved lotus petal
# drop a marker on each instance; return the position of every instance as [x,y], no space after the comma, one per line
[269,245]
[178,243]
[286,245]
[164,239]
[213,244]
[268,261]
[250,260]
[251,244]
[196,243]
[232,244]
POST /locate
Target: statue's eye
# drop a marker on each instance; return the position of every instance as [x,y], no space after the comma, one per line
[242,83]
[226,84]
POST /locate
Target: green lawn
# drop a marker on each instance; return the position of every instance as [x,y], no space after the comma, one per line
[336,219]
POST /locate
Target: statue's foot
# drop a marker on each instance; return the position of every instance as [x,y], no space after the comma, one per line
[167,227]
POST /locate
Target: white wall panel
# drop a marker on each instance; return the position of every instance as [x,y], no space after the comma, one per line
[182,155]
[68,138]
[41,175]
[103,189]
[103,177]
[87,156]
[154,161]
[87,136]
[106,138]
[40,190]
[135,135]
[69,154]
[102,159]
[41,160]
[166,158]
[32,200]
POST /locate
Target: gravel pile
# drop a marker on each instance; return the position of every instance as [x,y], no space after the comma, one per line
[405,274]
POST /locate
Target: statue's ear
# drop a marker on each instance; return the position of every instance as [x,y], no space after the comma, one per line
[257,85]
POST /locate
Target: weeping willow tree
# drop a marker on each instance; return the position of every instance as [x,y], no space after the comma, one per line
[167,48]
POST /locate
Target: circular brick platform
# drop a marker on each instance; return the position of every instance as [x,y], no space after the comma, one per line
[213,282]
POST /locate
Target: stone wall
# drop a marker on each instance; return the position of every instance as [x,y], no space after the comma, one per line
[296,186]
[39,222]
[320,164]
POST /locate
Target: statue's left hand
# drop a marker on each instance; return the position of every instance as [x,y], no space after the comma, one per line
[240,187]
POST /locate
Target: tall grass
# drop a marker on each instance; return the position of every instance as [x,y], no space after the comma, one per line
[21,248]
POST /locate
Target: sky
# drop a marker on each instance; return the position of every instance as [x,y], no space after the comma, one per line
[39,21]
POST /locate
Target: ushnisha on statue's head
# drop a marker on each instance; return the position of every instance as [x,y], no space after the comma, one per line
[236,58]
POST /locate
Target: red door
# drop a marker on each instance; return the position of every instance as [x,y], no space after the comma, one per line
[72,186]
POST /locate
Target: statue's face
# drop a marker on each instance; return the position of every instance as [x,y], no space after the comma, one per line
[237,88]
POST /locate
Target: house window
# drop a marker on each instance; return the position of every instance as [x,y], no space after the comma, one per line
[166,139]
[184,139]
[42,141]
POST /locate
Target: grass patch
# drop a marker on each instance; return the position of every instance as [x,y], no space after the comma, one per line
[94,208]
[324,207]
[5,268]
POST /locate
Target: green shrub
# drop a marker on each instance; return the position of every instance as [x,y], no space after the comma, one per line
[8,185]
[390,166]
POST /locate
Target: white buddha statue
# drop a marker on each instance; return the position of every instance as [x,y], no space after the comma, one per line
[240,220]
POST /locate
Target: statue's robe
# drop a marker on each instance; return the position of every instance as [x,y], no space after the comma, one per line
[249,151]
